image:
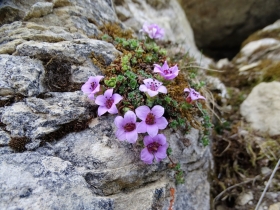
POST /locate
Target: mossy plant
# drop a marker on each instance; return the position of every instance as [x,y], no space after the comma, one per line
[136,65]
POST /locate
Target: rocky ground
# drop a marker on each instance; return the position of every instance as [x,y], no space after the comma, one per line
[55,153]
[246,138]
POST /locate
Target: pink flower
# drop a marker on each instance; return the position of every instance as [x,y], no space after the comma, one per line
[152,87]
[166,72]
[152,120]
[153,31]
[155,147]
[192,95]
[92,86]
[127,127]
[107,102]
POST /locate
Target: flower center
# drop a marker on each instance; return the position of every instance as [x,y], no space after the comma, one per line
[153,147]
[93,85]
[167,72]
[109,103]
[150,119]
[189,99]
[154,85]
[129,127]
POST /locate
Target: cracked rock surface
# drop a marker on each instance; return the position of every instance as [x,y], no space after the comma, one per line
[54,152]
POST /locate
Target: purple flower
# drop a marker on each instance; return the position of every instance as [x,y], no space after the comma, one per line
[166,72]
[127,127]
[155,147]
[153,31]
[92,86]
[152,120]
[107,102]
[192,95]
[152,87]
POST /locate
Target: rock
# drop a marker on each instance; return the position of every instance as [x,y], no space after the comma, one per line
[4,138]
[261,108]
[69,165]
[275,206]
[35,117]
[39,9]
[20,75]
[135,13]
[209,17]
[112,167]
[30,180]
[244,198]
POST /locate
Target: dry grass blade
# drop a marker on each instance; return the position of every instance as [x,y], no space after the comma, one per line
[267,184]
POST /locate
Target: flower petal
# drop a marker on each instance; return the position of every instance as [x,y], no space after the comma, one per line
[142,112]
[132,136]
[143,88]
[141,127]
[86,88]
[148,140]
[147,81]
[146,157]
[119,121]
[117,98]
[120,134]
[161,139]
[97,89]
[108,93]
[158,111]
[152,130]
[129,117]
[101,110]
[161,123]
[157,68]
[91,96]
[113,109]
[152,93]
[162,89]
[161,153]
[100,100]
[165,66]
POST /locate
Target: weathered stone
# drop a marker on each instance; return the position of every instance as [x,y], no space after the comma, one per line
[261,108]
[4,138]
[30,180]
[39,9]
[37,117]
[20,75]
[135,13]
[106,173]
[219,30]
[112,167]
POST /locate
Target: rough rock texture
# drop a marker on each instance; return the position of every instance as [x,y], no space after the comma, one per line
[20,75]
[73,160]
[33,181]
[261,108]
[169,15]
[219,28]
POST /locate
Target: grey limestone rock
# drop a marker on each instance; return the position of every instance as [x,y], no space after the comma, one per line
[20,75]
[261,108]
[32,181]
[46,52]
[36,117]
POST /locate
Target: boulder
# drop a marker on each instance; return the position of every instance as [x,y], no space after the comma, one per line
[261,108]
[169,15]
[219,29]
[55,153]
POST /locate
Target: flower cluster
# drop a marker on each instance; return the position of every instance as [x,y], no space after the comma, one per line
[153,31]
[139,121]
